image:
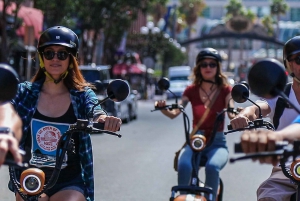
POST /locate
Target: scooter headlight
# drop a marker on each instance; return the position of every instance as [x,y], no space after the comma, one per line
[198,142]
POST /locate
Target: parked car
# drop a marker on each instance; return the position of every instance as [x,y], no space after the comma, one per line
[126,109]
[177,87]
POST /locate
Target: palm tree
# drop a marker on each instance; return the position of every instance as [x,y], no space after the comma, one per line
[234,8]
[278,7]
[268,22]
[157,10]
[190,10]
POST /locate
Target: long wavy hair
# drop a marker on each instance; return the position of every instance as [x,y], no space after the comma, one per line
[74,79]
[220,78]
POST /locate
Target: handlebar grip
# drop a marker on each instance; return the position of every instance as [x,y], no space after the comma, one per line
[279,145]
[9,159]
[99,125]
[238,148]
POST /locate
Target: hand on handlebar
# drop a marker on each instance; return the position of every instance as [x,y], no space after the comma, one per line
[240,121]
[160,103]
[260,141]
[9,144]
[111,123]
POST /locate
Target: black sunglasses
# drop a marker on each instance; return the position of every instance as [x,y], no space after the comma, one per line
[205,65]
[296,59]
[61,55]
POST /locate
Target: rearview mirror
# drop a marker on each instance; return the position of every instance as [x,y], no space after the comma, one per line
[118,90]
[240,93]
[267,78]
[9,81]
[163,84]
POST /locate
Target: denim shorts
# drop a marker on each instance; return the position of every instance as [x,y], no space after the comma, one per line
[76,184]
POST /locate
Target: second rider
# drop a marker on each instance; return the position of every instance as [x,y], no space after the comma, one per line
[209,84]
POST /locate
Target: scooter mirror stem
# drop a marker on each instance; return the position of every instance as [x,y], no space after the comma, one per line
[91,114]
[176,101]
[259,109]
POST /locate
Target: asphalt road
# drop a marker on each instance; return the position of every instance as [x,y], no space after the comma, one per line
[139,166]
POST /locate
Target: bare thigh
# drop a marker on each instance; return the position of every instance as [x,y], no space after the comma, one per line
[67,195]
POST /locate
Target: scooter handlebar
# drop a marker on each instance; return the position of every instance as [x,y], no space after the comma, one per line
[278,146]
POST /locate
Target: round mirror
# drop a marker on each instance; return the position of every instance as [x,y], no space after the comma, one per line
[163,84]
[9,81]
[240,93]
[267,77]
[118,90]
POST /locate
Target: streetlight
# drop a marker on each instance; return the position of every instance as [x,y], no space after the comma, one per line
[149,30]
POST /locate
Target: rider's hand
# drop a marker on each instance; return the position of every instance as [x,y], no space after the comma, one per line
[111,123]
[260,141]
[9,143]
[240,121]
[9,118]
[160,103]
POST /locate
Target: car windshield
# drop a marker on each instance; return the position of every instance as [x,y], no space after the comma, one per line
[178,84]
[92,75]
[179,78]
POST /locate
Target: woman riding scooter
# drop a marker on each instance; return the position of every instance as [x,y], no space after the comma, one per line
[209,94]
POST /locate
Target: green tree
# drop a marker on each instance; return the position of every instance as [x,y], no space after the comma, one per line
[268,22]
[157,10]
[234,8]
[189,11]
[157,45]
[110,17]
[278,7]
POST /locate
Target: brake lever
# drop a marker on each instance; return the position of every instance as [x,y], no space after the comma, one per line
[257,155]
[169,107]
[283,149]
[98,128]
[258,123]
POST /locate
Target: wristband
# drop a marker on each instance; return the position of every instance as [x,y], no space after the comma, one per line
[6,130]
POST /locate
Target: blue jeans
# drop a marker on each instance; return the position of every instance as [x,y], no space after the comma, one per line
[217,157]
